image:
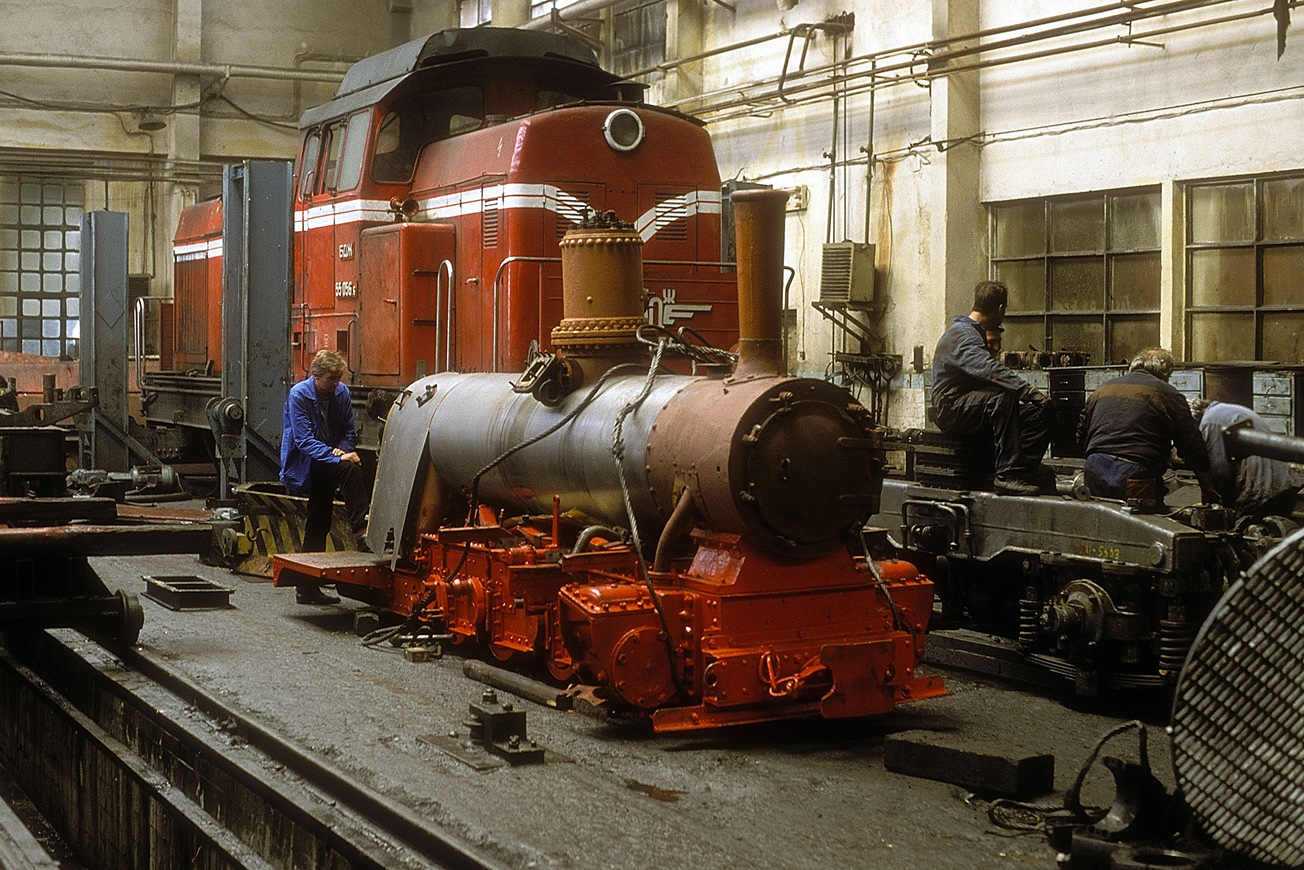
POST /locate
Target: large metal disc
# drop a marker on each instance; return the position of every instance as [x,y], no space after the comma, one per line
[1238,716]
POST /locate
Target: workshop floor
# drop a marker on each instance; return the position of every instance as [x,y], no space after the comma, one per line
[807,794]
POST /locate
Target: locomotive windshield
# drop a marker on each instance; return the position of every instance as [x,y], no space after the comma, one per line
[344,143]
[418,119]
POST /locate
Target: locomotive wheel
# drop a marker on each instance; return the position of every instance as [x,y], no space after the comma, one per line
[559,670]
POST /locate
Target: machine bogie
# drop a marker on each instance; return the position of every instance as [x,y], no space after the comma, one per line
[1088,590]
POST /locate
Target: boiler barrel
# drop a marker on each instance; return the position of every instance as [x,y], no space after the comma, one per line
[791,463]
[479,418]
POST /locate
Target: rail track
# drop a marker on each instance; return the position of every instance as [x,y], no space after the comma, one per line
[136,766]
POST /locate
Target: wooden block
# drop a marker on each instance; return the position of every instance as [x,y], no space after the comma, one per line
[976,767]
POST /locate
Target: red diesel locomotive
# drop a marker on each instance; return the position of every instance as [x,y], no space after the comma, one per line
[429,198]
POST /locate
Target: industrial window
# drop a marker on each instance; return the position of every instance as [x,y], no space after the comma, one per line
[1245,269]
[473,13]
[40,280]
[638,29]
[638,32]
[1083,272]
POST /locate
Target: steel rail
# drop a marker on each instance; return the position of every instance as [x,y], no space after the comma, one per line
[150,689]
[373,807]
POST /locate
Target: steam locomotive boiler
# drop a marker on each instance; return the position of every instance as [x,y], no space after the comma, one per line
[680,542]
[429,196]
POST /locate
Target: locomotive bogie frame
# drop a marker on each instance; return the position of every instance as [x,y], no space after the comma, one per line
[1092,590]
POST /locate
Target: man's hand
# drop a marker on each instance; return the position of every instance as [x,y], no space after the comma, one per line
[351,456]
[1038,396]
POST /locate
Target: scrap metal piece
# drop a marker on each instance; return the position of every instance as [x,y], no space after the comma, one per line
[497,737]
[935,756]
[186,592]
[524,687]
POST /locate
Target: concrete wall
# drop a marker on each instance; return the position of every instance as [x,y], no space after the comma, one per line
[1210,100]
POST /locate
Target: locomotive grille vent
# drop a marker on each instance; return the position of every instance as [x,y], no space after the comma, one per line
[847,273]
[489,223]
[671,217]
[571,209]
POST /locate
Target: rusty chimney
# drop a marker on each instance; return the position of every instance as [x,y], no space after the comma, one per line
[758,227]
[602,295]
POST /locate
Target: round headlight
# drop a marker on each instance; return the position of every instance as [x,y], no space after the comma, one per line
[623,130]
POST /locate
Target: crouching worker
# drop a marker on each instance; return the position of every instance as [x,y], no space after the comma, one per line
[975,395]
[318,457]
[1255,486]
[1129,427]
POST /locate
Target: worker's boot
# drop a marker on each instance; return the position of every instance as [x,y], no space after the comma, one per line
[312,593]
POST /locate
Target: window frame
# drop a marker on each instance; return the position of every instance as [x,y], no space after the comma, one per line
[40,276]
[1109,253]
[1257,311]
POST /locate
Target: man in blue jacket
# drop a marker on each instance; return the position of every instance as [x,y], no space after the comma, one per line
[1131,425]
[318,456]
[975,395]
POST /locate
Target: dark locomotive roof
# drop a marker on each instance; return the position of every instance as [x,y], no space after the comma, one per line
[372,78]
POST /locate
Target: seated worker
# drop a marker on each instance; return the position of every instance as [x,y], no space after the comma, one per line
[8,394]
[318,456]
[974,394]
[1130,425]
[1254,485]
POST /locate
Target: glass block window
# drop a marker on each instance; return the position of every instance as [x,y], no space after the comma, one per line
[1245,270]
[40,245]
[1082,270]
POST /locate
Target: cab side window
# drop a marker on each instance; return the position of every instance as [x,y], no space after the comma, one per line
[308,177]
[418,120]
[334,138]
[355,143]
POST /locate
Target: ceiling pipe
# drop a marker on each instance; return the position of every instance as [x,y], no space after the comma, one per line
[941,64]
[166,67]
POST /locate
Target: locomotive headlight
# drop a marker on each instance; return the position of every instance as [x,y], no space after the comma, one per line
[623,130]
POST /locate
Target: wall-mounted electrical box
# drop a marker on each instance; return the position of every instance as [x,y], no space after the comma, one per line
[847,273]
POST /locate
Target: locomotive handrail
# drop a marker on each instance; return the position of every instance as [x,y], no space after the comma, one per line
[448,349]
[497,277]
[138,333]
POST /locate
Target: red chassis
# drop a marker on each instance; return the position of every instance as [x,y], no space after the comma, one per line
[725,640]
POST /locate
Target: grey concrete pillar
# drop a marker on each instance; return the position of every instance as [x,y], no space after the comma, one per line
[509,13]
[958,247]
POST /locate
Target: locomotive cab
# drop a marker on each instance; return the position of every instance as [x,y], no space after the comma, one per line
[433,189]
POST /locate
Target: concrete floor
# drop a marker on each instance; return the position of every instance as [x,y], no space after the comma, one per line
[787,795]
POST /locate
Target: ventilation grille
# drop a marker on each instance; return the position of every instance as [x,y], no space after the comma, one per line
[1238,749]
[671,217]
[570,209]
[847,273]
[489,223]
